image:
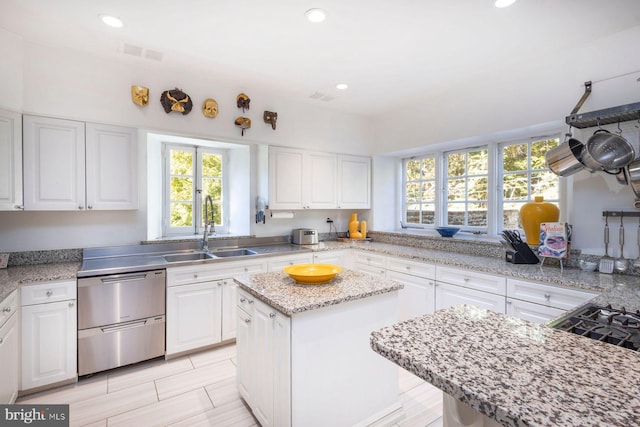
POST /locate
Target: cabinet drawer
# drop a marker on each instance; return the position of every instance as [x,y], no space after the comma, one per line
[535,313]
[278,263]
[47,292]
[369,259]
[471,279]
[212,271]
[329,257]
[551,296]
[415,268]
[245,301]
[8,307]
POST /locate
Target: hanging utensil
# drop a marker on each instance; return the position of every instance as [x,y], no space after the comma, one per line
[636,263]
[606,262]
[620,264]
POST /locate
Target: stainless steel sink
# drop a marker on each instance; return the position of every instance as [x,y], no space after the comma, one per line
[192,256]
[233,252]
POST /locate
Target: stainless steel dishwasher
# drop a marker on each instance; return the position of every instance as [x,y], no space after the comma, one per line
[120,319]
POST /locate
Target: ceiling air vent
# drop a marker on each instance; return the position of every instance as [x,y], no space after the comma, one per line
[316,95]
[129,49]
[133,50]
[153,54]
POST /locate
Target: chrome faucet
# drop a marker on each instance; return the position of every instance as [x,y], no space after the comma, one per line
[208,204]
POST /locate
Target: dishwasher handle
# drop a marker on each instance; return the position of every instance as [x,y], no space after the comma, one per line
[127,278]
[125,326]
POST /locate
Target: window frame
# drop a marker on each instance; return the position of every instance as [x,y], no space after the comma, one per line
[198,226]
[436,180]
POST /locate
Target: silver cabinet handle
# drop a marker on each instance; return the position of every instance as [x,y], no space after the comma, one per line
[272,315]
[19,207]
[195,276]
[90,207]
[547,295]
[7,310]
[1,340]
[246,269]
[250,301]
[71,303]
[80,207]
[247,320]
[509,302]
[242,300]
[466,279]
[49,292]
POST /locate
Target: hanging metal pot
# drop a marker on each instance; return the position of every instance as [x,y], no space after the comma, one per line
[633,172]
[565,159]
[608,151]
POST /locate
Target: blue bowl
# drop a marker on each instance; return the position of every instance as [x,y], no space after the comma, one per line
[447,231]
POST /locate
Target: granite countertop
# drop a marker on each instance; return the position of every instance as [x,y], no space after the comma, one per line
[281,292]
[615,289]
[11,278]
[516,372]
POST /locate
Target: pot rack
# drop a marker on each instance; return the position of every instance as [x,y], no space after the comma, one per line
[617,214]
[619,114]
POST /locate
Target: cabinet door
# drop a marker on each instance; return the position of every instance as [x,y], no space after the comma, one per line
[10,161]
[416,298]
[112,167]
[54,164]
[229,289]
[281,370]
[245,354]
[193,316]
[9,361]
[354,182]
[535,313]
[49,343]
[285,178]
[319,190]
[263,379]
[450,295]
[278,263]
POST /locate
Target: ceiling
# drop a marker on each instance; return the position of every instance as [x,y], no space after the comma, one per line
[390,53]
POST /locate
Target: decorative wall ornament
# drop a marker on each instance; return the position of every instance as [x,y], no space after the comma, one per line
[210,108]
[243,101]
[270,118]
[244,123]
[140,95]
[176,100]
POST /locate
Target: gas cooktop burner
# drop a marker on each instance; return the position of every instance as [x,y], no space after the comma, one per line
[606,324]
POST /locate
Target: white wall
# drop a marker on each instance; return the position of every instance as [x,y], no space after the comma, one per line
[67,84]
[525,100]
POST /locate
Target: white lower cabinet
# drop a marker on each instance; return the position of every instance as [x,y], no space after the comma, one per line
[201,303]
[263,356]
[448,295]
[535,313]
[9,349]
[194,311]
[329,257]
[370,263]
[418,295]
[49,334]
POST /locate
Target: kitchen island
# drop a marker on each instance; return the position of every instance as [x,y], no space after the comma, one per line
[303,350]
[516,372]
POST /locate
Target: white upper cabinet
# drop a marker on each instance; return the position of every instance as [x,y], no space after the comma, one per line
[54,164]
[112,167]
[10,161]
[57,177]
[354,182]
[301,180]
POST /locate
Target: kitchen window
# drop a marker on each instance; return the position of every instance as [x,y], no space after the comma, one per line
[420,190]
[192,173]
[480,188]
[466,185]
[524,175]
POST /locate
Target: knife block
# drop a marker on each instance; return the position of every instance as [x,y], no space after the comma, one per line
[522,254]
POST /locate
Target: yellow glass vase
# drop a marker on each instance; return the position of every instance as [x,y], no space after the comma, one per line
[353,227]
[532,214]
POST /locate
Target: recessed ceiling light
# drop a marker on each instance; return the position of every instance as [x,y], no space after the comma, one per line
[504,3]
[112,21]
[315,15]
[342,86]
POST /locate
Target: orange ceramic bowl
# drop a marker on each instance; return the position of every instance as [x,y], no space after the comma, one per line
[312,274]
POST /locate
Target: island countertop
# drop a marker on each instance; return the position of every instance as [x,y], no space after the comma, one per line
[281,292]
[516,372]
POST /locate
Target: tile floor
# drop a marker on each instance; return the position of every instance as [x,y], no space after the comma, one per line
[197,390]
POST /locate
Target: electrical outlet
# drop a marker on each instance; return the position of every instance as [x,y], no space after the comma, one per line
[4,259]
[329,221]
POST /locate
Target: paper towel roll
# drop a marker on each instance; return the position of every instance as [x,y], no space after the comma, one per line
[282,215]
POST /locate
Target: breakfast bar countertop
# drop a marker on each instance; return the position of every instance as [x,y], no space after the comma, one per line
[281,292]
[517,372]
